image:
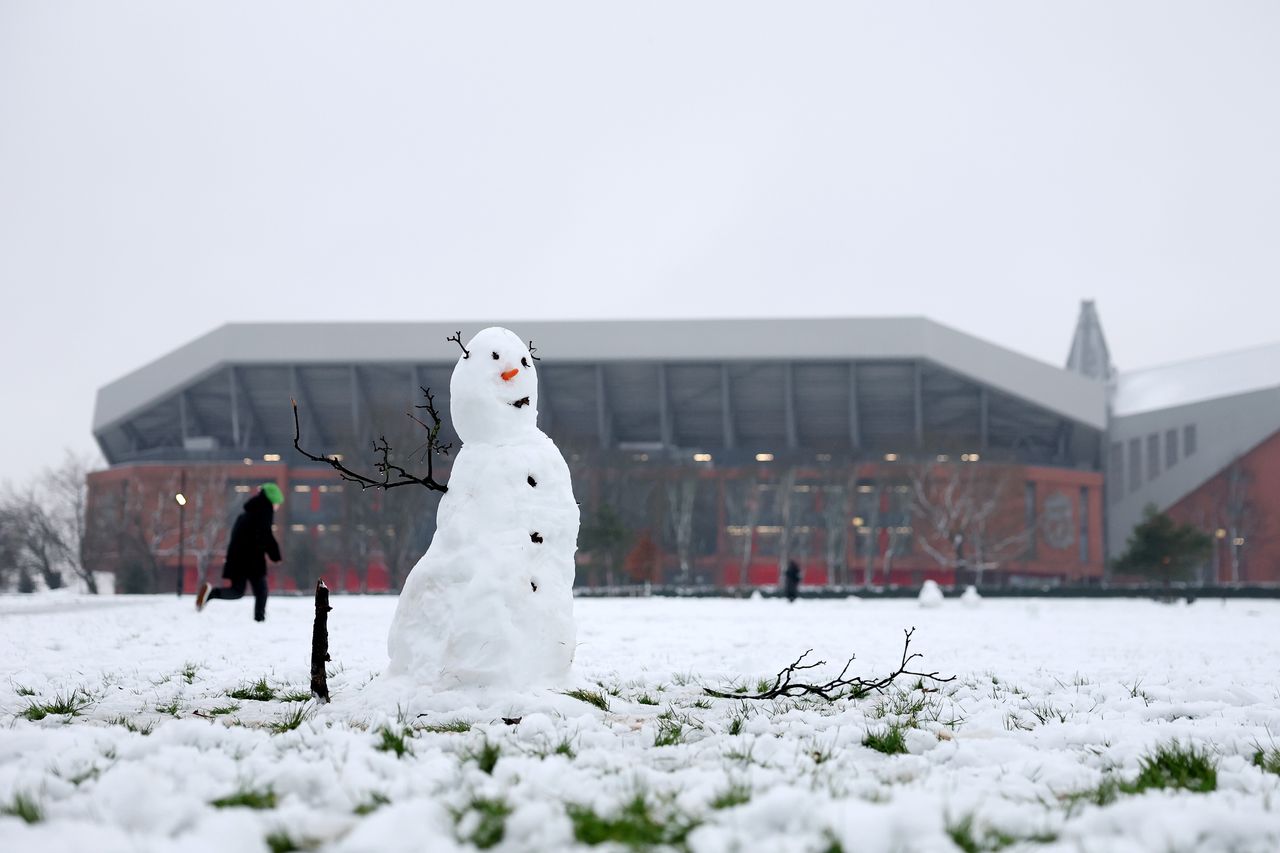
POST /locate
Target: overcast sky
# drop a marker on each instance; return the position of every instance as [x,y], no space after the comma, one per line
[166,168]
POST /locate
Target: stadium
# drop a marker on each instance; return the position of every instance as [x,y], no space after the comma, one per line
[705,453]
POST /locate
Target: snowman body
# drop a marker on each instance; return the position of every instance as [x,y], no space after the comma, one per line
[490,604]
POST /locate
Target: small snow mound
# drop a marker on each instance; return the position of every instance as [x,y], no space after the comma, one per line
[757,595]
[970,597]
[930,595]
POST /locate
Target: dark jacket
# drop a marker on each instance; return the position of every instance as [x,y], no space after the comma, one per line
[791,581]
[252,541]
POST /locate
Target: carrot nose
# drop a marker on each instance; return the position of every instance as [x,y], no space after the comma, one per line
[507,375]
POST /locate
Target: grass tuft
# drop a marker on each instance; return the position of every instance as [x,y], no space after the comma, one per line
[189,672]
[23,690]
[23,807]
[670,732]
[371,805]
[223,710]
[486,757]
[591,697]
[258,691]
[171,708]
[144,729]
[279,841]
[635,825]
[394,740]
[69,705]
[291,719]
[458,726]
[735,795]
[565,748]
[963,834]
[646,699]
[247,798]
[490,823]
[1267,760]
[295,696]
[1176,766]
[890,741]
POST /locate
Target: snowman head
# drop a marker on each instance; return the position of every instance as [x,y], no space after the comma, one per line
[493,395]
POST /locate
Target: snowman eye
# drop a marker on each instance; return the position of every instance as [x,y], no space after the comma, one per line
[524,362]
[495,356]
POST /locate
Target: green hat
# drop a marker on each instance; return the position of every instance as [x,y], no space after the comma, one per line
[273,493]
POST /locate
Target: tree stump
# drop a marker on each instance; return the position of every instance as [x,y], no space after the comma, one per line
[320,644]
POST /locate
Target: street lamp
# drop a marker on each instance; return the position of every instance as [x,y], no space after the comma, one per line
[1218,536]
[181,499]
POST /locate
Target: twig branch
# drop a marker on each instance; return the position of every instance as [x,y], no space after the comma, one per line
[456,337]
[384,466]
[784,683]
[532,350]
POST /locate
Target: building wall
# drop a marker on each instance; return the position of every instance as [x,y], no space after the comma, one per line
[1142,470]
[136,521]
[1240,508]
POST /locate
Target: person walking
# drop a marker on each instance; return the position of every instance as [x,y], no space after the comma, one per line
[791,581]
[252,542]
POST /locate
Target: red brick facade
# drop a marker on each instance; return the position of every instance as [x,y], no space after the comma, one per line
[1240,508]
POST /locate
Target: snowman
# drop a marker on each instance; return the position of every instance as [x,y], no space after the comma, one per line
[491,602]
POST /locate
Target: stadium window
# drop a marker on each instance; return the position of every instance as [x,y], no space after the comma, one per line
[1115,471]
[1188,439]
[1170,449]
[1083,511]
[1135,464]
[1153,456]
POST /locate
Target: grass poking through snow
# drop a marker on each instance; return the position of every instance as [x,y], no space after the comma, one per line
[394,740]
[247,798]
[964,834]
[68,705]
[1173,765]
[258,691]
[290,720]
[637,825]
[457,726]
[371,805]
[483,822]
[1267,760]
[485,756]
[23,807]
[591,697]
[889,741]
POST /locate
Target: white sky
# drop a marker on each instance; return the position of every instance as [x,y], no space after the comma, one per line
[168,167]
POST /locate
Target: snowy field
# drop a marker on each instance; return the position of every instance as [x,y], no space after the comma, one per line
[1047,739]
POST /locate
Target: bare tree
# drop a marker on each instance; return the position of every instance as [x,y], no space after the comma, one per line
[682,495]
[210,510]
[143,534]
[45,526]
[742,505]
[38,549]
[881,509]
[66,500]
[837,509]
[961,508]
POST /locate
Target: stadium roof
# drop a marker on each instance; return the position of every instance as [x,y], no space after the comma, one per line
[880,338]
[1183,383]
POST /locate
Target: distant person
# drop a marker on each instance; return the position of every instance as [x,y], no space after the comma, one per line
[252,542]
[791,581]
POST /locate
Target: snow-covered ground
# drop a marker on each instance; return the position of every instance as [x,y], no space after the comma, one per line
[1054,707]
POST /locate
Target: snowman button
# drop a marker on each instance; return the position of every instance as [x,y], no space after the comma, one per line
[536,537]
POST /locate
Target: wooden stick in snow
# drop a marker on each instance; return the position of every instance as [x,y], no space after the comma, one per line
[320,644]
